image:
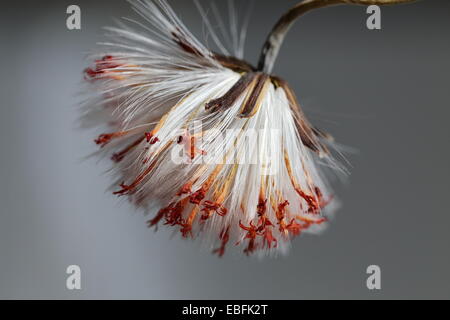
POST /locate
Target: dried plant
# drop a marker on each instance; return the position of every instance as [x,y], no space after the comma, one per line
[160,91]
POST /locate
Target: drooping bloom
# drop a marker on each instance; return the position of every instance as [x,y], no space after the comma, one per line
[210,144]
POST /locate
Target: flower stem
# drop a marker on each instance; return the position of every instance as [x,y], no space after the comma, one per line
[275,38]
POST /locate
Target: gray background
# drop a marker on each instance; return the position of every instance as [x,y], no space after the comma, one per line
[385,93]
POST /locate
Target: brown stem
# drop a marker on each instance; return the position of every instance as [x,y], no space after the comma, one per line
[275,39]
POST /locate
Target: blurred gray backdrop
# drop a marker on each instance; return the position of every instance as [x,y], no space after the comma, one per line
[385,93]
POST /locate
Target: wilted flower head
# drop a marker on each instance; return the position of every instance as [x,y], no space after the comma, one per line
[207,142]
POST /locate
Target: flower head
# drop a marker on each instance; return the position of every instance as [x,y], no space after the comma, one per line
[220,146]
